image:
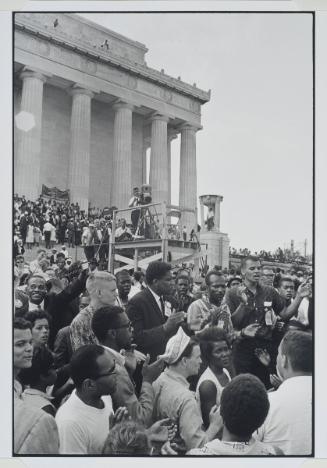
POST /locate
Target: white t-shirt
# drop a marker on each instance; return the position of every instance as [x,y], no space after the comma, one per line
[83,429]
[209,375]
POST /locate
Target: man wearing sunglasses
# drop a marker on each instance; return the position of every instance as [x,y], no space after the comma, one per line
[114,332]
[83,420]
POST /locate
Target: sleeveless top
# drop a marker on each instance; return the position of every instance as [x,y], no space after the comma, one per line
[209,375]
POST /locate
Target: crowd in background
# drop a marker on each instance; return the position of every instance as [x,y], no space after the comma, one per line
[279,255]
[162,361]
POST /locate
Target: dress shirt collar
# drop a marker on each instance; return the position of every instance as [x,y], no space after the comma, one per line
[32,307]
[155,295]
[34,391]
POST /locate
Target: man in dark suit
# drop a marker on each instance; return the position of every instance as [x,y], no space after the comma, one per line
[152,320]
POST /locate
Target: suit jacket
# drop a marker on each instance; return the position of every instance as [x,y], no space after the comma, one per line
[147,320]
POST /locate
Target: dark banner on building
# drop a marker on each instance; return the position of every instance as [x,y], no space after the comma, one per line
[54,192]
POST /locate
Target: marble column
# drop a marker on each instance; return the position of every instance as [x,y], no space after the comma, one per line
[79,162]
[146,145]
[219,199]
[187,175]
[159,159]
[121,182]
[171,136]
[29,122]
[202,214]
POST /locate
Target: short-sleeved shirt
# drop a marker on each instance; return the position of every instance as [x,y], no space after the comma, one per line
[254,310]
[202,312]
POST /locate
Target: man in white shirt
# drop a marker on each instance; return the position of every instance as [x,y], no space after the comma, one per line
[36,291]
[123,232]
[83,420]
[289,421]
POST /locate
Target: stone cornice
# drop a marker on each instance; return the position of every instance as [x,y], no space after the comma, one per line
[119,62]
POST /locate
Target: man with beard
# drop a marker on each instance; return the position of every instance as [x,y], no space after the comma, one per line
[114,331]
[211,308]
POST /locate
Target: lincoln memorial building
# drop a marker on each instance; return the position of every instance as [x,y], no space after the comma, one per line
[88,108]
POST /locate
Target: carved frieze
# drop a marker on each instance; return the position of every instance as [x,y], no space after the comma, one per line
[107,72]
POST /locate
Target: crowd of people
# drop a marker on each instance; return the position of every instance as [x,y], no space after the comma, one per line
[161,361]
[49,222]
[279,255]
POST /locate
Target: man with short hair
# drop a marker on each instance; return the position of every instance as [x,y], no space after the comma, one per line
[298,306]
[211,308]
[147,311]
[124,284]
[114,332]
[289,421]
[182,295]
[122,232]
[267,277]
[58,302]
[244,406]
[35,431]
[101,287]
[83,420]
[175,401]
[258,306]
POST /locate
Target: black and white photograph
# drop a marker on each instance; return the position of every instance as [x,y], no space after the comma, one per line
[163,233]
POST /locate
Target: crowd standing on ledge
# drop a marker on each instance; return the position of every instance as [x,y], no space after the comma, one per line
[160,362]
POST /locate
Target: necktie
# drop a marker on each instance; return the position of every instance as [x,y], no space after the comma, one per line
[162,304]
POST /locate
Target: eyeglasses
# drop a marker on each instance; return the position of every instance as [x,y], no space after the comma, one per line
[127,325]
[111,372]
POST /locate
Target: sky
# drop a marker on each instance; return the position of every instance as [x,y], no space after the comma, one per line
[255,148]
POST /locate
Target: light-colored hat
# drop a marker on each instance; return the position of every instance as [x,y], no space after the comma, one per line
[175,347]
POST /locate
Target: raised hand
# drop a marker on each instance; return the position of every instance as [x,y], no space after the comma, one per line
[169,449]
[215,418]
[173,321]
[241,294]
[251,330]
[162,431]
[263,356]
[275,380]
[120,415]
[132,358]
[151,372]
[304,290]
